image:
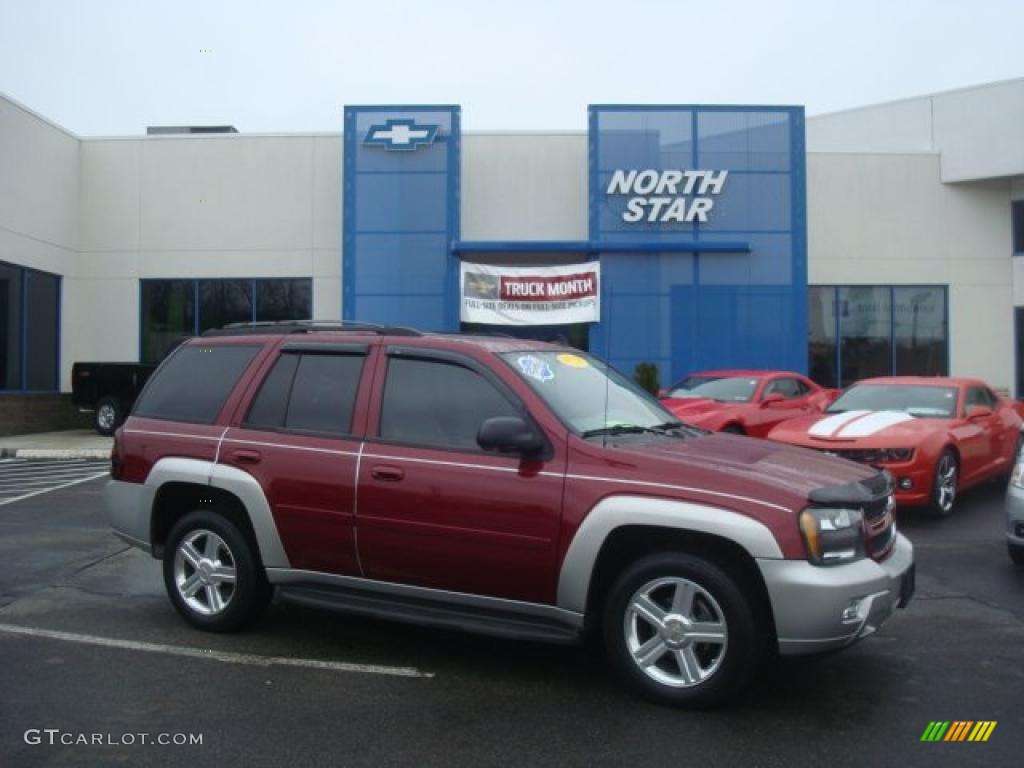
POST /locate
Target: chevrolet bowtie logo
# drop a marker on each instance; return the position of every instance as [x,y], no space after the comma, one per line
[401,134]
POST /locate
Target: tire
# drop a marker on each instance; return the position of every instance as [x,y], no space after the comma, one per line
[678,671]
[108,416]
[1016,552]
[734,429]
[945,479]
[216,604]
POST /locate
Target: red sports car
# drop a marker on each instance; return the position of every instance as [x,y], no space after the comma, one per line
[745,402]
[937,436]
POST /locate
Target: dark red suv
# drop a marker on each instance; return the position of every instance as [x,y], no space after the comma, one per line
[507,487]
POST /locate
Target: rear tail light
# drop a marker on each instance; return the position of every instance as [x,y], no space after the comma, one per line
[116,458]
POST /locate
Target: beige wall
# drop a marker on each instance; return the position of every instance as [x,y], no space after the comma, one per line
[888,219]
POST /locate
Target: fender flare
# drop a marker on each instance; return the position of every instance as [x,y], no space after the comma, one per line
[620,511]
[242,485]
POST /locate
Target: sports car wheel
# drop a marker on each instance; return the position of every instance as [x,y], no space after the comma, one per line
[944,483]
[734,429]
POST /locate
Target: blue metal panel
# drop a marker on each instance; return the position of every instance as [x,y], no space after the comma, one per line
[400,215]
[596,247]
[732,307]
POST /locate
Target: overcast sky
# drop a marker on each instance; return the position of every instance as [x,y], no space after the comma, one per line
[102,67]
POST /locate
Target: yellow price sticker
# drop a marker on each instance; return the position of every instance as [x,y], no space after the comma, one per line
[573,361]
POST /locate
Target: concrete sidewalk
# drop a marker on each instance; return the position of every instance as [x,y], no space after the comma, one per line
[70,444]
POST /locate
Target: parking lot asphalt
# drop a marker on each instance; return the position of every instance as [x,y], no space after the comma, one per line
[107,655]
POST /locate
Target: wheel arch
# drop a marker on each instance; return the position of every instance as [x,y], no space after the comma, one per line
[621,526]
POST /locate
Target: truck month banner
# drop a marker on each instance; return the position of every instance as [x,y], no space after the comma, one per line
[500,295]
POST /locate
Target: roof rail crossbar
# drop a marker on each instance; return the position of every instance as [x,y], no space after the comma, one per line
[258,327]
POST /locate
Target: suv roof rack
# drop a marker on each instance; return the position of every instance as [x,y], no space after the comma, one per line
[307,326]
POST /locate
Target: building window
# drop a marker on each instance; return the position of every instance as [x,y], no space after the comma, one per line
[1017,214]
[859,331]
[29,329]
[173,310]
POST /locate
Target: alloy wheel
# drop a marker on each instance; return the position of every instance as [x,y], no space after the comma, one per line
[204,572]
[945,475]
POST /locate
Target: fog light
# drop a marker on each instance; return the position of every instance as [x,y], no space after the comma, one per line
[906,483]
[851,612]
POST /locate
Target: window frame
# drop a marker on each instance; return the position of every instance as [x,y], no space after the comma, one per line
[300,349]
[892,288]
[464,361]
[1017,227]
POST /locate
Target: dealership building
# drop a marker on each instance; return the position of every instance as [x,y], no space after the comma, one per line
[872,241]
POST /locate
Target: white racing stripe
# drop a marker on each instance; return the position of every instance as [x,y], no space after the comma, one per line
[225,656]
[876,422]
[830,424]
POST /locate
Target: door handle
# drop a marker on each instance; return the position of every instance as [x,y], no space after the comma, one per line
[247,457]
[387,473]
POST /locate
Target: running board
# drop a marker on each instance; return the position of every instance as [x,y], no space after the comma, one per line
[431,613]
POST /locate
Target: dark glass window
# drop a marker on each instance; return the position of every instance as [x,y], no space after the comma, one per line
[284,300]
[42,293]
[821,328]
[29,329]
[865,331]
[1017,214]
[979,396]
[195,382]
[168,316]
[323,393]
[919,331]
[882,330]
[10,326]
[224,301]
[435,403]
[270,405]
[789,388]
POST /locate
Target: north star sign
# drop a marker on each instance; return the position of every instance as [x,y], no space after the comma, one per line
[667,196]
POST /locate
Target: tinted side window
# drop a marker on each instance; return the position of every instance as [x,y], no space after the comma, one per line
[788,388]
[324,393]
[271,404]
[428,402]
[195,382]
[980,396]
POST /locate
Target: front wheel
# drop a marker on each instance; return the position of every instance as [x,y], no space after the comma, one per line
[212,574]
[679,631]
[944,484]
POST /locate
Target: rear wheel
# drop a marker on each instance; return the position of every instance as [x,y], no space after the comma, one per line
[679,631]
[212,574]
[108,416]
[944,483]
[1016,552]
[734,429]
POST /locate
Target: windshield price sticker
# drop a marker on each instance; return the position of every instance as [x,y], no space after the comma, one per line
[535,368]
[573,361]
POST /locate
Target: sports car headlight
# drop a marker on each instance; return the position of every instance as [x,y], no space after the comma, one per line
[895,454]
[832,535]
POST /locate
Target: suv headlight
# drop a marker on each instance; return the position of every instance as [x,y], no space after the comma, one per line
[833,535]
[1017,477]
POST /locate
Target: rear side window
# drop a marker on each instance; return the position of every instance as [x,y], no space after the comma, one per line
[195,382]
[308,393]
[433,403]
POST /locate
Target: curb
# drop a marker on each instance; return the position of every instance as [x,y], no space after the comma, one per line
[55,453]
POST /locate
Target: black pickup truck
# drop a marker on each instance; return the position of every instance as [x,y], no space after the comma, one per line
[108,390]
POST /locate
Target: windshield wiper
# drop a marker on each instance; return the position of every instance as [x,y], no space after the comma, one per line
[623,429]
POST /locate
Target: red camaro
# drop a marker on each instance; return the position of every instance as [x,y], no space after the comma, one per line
[745,402]
[937,436]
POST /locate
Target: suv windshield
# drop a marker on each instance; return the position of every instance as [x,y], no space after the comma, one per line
[726,389]
[587,395]
[935,402]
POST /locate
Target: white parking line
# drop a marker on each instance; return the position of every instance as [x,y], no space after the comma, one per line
[52,488]
[225,656]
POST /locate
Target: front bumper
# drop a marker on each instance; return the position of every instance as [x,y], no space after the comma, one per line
[1015,515]
[809,601]
[127,506]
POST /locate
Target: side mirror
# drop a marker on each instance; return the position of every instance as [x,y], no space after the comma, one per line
[976,412]
[769,400]
[509,434]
